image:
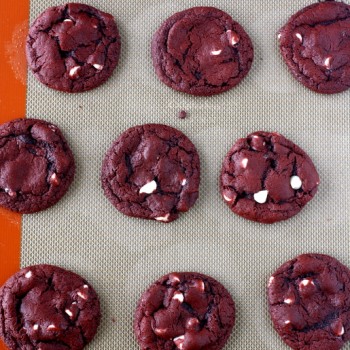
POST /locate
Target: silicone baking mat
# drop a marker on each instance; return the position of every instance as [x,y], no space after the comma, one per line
[121,256]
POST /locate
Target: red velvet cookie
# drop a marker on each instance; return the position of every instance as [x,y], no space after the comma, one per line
[309,302]
[152,171]
[267,178]
[201,51]
[36,165]
[315,44]
[48,308]
[73,47]
[186,311]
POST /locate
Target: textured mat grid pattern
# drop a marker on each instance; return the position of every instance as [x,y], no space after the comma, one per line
[122,256]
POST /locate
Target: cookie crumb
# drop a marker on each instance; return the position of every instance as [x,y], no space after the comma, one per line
[182,114]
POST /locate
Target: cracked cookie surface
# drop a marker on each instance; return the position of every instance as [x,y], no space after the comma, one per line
[201,51]
[36,165]
[309,302]
[46,307]
[152,171]
[187,311]
[315,44]
[73,47]
[267,178]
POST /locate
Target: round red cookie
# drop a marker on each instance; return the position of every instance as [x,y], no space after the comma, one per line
[46,307]
[73,47]
[152,171]
[201,51]
[309,302]
[267,178]
[315,44]
[36,165]
[186,311]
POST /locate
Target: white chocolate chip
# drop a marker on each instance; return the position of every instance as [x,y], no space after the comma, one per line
[10,192]
[192,322]
[85,286]
[234,41]
[296,183]
[35,327]
[233,37]
[163,218]
[255,136]
[184,182]
[149,188]
[81,295]
[299,36]
[338,328]
[28,274]
[261,197]
[160,331]
[287,322]
[244,163]
[215,52]
[306,282]
[98,66]
[51,327]
[94,26]
[199,284]
[67,20]
[178,296]
[68,312]
[270,281]
[54,179]
[279,36]
[327,62]
[74,303]
[228,199]
[288,301]
[73,73]
[174,278]
[179,341]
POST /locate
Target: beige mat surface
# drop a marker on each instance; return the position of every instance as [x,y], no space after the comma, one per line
[121,256]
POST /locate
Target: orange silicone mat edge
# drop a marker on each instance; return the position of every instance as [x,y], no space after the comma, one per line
[14,17]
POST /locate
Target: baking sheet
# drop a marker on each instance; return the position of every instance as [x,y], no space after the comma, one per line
[121,256]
